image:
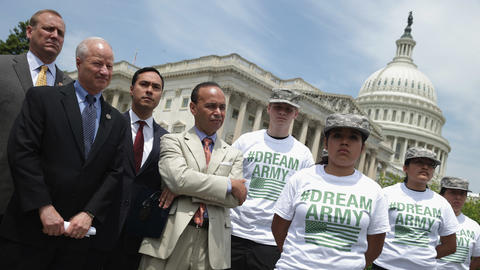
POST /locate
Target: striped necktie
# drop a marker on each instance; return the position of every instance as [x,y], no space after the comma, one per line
[198,217]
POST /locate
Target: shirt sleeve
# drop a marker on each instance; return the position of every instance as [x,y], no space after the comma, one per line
[476,246]
[379,222]
[284,207]
[449,220]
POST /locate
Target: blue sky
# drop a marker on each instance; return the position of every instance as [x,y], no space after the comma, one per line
[333,45]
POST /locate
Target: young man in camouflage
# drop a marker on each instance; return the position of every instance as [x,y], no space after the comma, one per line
[270,157]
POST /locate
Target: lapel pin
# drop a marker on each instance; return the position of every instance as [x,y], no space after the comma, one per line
[108,116]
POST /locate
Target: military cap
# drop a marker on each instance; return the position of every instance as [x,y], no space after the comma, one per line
[454,183]
[417,152]
[324,153]
[355,121]
[288,96]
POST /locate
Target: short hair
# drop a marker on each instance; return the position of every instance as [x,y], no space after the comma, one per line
[82,48]
[194,96]
[443,190]
[147,69]
[34,18]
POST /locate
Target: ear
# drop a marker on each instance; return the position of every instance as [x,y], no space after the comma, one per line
[29,31]
[193,108]
[78,62]
[405,167]
[131,90]
[325,144]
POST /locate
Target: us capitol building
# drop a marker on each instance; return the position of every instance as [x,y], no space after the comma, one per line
[399,100]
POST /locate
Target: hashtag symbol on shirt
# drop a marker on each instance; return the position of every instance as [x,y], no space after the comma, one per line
[251,156]
[305,195]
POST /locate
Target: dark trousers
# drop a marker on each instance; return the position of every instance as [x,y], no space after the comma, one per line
[125,255]
[17,256]
[247,254]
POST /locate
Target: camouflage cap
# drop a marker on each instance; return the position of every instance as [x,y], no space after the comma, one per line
[417,152]
[454,183]
[355,121]
[288,96]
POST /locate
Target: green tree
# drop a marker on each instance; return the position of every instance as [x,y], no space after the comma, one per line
[17,42]
[471,209]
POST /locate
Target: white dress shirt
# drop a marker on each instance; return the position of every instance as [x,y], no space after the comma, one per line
[147,133]
[35,63]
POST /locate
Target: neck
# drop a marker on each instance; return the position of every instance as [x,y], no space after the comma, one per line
[45,59]
[415,187]
[143,115]
[333,169]
[278,132]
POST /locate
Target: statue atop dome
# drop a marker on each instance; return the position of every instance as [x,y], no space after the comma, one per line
[408,29]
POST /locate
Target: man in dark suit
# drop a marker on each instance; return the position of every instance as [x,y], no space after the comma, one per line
[65,153]
[142,150]
[20,72]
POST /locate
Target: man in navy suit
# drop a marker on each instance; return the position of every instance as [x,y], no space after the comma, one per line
[66,156]
[142,150]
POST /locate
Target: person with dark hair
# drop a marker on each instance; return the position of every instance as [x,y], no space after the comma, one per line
[20,72]
[279,154]
[206,174]
[418,216]
[332,216]
[467,256]
[65,153]
[142,150]
[324,159]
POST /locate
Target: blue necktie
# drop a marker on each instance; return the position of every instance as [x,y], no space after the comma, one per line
[89,115]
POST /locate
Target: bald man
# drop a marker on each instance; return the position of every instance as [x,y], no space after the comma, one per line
[65,154]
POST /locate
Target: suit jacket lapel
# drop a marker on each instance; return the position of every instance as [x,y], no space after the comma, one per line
[70,105]
[20,64]
[196,149]
[218,155]
[104,128]
[58,77]
[155,148]
[129,142]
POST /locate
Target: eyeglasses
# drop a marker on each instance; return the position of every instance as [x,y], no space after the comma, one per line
[424,161]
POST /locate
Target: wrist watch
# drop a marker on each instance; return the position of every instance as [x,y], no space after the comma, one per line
[90,214]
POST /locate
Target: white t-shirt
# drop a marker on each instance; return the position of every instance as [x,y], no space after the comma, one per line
[468,245]
[331,218]
[268,164]
[417,220]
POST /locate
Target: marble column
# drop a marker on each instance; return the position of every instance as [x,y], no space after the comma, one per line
[227,100]
[258,117]
[240,119]
[373,164]
[404,151]
[116,97]
[361,164]
[316,142]
[304,131]
[394,148]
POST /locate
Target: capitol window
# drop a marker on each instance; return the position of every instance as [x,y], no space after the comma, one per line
[168,104]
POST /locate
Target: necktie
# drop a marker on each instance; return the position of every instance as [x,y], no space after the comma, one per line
[42,76]
[138,146]
[198,217]
[89,115]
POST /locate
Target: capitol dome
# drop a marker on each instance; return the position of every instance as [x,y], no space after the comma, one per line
[402,99]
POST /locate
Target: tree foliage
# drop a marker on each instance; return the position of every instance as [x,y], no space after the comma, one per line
[17,42]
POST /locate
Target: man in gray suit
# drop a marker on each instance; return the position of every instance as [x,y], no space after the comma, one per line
[20,72]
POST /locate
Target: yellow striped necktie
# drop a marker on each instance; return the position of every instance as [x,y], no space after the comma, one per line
[42,76]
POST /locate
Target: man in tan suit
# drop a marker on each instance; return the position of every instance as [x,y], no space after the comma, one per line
[205,173]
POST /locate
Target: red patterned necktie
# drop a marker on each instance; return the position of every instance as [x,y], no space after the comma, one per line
[198,217]
[138,146]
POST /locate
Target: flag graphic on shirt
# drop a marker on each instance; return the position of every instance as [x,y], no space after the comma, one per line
[411,236]
[332,235]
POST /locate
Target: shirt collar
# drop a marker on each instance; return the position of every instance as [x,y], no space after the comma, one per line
[82,93]
[202,135]
[134,118]
[34,63]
